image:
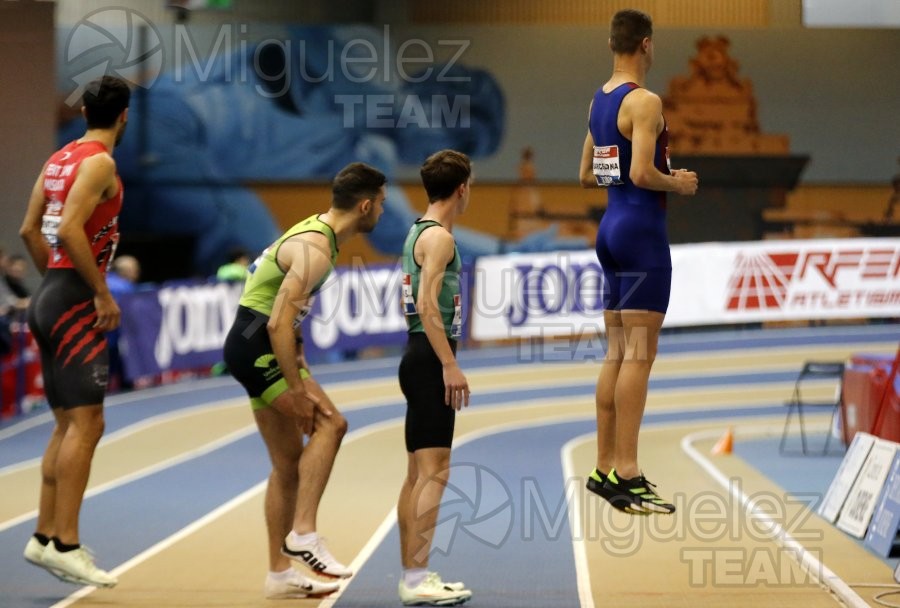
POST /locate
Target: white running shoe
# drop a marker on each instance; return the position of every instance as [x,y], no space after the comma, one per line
[433,592]
[455,586]
[298,587]
[76,567]
[34,552]
[317,558]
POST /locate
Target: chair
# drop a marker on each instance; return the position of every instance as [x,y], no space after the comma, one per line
[813,370]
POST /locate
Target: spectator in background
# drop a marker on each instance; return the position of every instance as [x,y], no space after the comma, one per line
[16,268]
[236,268]
[122,279]
[8,302]
[123,275]
[10,299]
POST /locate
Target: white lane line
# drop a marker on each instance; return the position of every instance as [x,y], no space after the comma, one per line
[576,522]
[213,515]
[169,541]
[112,484]
[147,394]
[137,427]
[184,457]
[779,535]
[391,518]
[376,364]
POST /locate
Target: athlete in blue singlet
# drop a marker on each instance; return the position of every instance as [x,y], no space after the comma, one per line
[626,152]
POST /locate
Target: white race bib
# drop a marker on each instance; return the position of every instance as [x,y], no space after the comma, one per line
[408,298]
[50,229]
[456,325]
[606,166]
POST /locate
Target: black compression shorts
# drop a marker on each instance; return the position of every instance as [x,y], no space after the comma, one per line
[429,420]
[74,355]
[251,360]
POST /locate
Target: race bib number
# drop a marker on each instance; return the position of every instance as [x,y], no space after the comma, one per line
[606,166]
[303,313]
[50,229]
[408,299]
[456,325]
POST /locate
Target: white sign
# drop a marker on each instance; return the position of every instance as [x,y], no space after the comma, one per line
[860,505]
[850,467]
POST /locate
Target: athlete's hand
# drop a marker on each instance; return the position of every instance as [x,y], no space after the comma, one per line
[456,387]
[305,404]
[687,182]
[108,313]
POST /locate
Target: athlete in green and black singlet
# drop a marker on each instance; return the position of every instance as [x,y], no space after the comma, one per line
[449,296]
[299,424]
[248,351]
[430,377]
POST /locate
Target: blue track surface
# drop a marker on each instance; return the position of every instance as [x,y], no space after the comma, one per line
[170,499]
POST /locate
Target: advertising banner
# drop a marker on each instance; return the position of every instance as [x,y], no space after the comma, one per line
[558,294]
[182,326]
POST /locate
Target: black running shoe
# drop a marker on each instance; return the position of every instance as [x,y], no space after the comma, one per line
[596,484]
[636,495]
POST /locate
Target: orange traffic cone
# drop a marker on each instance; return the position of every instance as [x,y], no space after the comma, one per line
[725,444]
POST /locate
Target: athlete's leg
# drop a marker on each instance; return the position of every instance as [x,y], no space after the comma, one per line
[404,505]
[433,468]
[317,459]
[606,389]
[84,427]
[283,441]
[46,524]
[641,333]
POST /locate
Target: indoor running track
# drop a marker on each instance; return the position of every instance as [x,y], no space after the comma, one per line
[175,499]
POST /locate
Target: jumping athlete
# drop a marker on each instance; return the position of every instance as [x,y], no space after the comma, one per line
[626,152]
[264,352]
[71,231]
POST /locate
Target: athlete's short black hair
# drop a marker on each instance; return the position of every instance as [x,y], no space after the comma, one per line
[104,100]
[628,29]
[443,172]
[355,182]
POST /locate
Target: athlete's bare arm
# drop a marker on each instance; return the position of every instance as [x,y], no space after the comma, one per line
[433,251]
[30,231]
[646,120]
[94,182]
[306,258]
[586,169]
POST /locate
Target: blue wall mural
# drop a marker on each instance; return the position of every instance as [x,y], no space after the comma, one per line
[296,108]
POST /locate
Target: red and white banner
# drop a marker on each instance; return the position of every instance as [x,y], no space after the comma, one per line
[712,283]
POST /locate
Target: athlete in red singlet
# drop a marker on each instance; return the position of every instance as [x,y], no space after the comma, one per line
[71,230]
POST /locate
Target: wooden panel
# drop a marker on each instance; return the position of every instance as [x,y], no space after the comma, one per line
[702,13]
[489,211]
[855,203]
[665,13]
[569,206]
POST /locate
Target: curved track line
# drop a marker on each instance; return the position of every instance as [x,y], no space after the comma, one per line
[146,471]
[133,429]
[391,518]
[780,536]
[576,523]
[209,517]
